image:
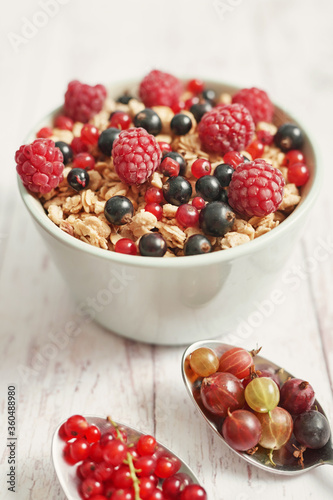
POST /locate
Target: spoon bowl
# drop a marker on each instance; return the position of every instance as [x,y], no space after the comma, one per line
[285,461]
[67,474]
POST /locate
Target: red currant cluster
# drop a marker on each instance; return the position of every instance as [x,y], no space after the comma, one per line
[255,409]
[112,466]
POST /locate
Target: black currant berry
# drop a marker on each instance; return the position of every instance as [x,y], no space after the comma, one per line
[78,179]
[224,196]
[288,137]
[152,245]
[208,187]
[66,150]
[181,124]
[118,210]
[177,190]
[209,95]
[149,120]
[124,99]
[223,173]
[106,140]
[197,244]
[179,159]
[216,218]
[198,110]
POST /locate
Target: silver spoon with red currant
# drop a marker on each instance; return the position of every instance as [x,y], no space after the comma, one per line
[262,412]
[99,459]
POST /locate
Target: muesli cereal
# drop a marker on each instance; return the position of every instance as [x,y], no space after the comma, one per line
[174,169]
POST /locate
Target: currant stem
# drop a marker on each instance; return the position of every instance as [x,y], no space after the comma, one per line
[128,461]
[135,479]
[115,425]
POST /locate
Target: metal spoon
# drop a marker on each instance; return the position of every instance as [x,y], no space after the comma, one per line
[67,474]
[285,461]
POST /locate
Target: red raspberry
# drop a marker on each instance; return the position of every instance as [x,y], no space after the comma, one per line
[83,101]
[256,188]
[257,102]
[226,128]
[40,165]
[136,155]
[160,89]
[265,137]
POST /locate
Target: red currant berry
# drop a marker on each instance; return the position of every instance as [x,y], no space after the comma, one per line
[172,486]
[63,122]
[91,487]
[63,434]
[200,168]
[78,146]
[146,445]
[156,495]
[92,434]
[195,86]
[193,492]
[187,215]
[122,433]
[132,451]
[120,120]
[191,101]
[76,425]
[147,486]
[154,195]
[98,497]
[154,479]
[84,160]
[106,438]
[67,454]
[178,107]
[256,149]
[146,465]
[164,147]
[96,452]
[44,133]
[109,489]
[298,174]
[155,209]
[122,477]
[198,202]
[265,137]
[103,471]
[122,495]
[167,466]
[86,469]
[80,449]
[169,167]
[89,134]
[126,246]
[293,156]
[115,452]
[233,158]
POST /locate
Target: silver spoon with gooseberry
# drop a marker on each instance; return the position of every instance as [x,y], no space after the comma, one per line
[249,411]
[69,475]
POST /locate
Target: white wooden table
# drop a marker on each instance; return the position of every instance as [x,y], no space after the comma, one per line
[283,47]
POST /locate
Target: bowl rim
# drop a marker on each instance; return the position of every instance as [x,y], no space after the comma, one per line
[247,249]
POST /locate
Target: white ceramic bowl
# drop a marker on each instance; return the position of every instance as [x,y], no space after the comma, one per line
[180,300]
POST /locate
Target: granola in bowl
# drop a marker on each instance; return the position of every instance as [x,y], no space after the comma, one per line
[192,173]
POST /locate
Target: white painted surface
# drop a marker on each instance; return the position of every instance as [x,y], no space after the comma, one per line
[284,47]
